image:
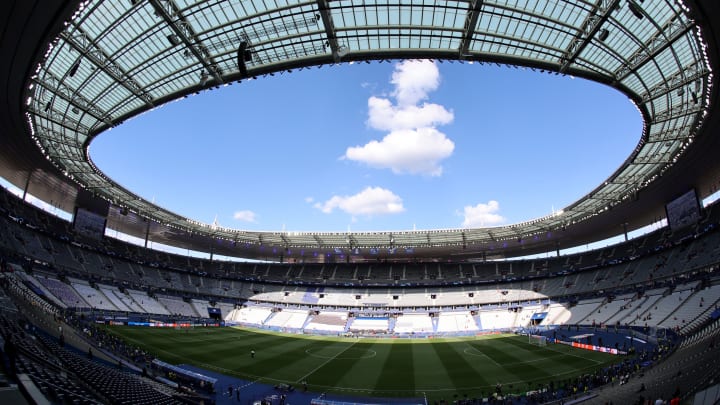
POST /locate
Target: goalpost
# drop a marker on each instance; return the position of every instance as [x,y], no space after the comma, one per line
[537,340]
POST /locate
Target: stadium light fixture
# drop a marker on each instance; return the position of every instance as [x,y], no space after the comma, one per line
[243,55]
[341,51]
[635,9]
[173,39]
[204,78]
[604,33]
[74,68]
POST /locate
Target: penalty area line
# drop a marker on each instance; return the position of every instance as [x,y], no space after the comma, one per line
[324,363]
[471,347]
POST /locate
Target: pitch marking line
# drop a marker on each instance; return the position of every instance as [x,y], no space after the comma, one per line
[324,363]
[469,349]
[363,390]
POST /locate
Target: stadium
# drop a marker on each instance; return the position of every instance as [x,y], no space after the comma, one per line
[410,316]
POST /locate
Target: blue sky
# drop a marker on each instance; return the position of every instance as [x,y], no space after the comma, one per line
[381,146]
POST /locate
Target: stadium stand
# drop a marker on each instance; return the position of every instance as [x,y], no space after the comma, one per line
[113,295]
[287,319]
[373,325]
[63,292]
[94,298]
[413,323]
[460,322]
[250,315]
[327,322]
[177,306]
[52,373]
[147,303]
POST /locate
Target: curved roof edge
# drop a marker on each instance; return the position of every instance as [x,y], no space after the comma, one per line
[23,165]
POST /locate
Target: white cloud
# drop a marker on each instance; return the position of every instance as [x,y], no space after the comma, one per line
[371,201]
[245,216]
[309,200]
[482,215]
[413,80]
[406,151]
[413,144]
[382,115]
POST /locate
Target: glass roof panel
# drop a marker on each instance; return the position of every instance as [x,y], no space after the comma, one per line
[131,56]
[686,49]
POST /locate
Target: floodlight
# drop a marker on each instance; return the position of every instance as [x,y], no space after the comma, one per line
[74,68]
[173,39]
[635,9]
[204,78]
[604,33]
[243,55]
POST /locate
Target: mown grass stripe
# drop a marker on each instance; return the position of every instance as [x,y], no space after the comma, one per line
[429,373]
[457,367]
[356,370]
[509,360]
[330,359]
[397,372]
[399,367]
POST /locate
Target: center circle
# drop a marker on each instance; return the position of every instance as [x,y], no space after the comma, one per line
[471,351]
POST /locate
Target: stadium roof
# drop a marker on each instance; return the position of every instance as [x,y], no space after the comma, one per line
[82,69]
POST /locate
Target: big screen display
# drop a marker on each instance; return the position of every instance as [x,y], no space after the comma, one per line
[89,224]
[683,211]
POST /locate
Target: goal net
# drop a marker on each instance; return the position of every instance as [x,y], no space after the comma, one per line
[537,340]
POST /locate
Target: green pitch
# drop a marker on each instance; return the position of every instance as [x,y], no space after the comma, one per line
[437,368]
